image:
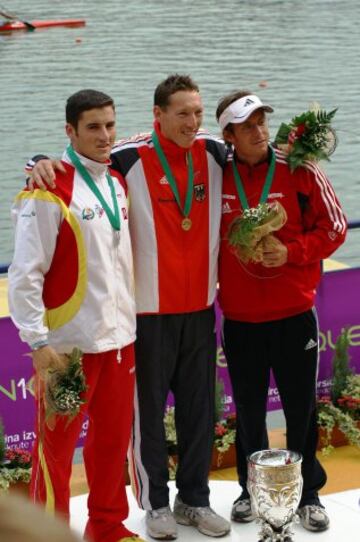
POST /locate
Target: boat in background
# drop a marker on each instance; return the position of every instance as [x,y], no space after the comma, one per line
[13,26]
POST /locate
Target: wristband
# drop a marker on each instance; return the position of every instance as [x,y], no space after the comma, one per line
[31,163]
[38,345]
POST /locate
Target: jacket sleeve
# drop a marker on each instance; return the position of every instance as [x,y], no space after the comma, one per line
[324,223]
[36,228]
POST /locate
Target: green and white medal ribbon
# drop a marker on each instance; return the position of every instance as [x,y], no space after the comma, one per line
[266,187]
[186,222]
[113,217]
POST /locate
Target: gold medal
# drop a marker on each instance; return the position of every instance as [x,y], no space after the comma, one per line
[186,224]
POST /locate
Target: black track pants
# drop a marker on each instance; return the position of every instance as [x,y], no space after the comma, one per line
[290,348]
[174,352]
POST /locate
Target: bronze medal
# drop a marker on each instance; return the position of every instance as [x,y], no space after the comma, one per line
[186,224]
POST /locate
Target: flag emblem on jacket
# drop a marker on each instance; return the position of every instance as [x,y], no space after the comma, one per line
[199,192]
[87,214]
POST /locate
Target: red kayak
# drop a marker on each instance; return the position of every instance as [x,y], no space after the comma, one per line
[18,25]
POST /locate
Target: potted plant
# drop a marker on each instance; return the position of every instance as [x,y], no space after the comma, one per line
[15,465]
[339,413]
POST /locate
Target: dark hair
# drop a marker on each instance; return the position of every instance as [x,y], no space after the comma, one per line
[83,100]
[225,101]
[173,84]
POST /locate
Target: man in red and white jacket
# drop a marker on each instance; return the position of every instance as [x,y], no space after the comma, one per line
[174,216]
[270,320]
[71,285]
[175,260]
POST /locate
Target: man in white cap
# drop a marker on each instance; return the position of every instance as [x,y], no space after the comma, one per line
[270,320]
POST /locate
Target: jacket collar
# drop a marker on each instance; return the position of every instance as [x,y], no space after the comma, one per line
[96,169]
[170,148]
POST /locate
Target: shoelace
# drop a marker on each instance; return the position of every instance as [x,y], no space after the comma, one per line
[203,511]
[162,513]
[243,503]
[317,509]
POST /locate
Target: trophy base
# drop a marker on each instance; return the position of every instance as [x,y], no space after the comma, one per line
[269,533]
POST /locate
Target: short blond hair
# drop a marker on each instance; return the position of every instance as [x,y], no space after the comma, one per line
[22,521]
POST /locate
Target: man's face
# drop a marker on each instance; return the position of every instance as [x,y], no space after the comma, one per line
[181,119]
[95,133]
[250,138]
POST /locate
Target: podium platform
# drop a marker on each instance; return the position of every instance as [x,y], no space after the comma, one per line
[343,509]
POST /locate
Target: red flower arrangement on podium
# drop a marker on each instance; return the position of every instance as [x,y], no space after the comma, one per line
[339,413]
[15,464]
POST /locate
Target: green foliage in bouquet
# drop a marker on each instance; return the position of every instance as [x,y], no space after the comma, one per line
[308,136]
[242,228]
[342,408]
[64,388]
[251,233]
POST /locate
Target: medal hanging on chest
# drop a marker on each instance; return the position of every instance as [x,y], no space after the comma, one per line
[113,217]
[186,222]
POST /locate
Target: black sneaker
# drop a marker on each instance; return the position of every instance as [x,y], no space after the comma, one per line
[313,517]
[241,511]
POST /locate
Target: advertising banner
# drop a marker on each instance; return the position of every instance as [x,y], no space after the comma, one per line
[337,308]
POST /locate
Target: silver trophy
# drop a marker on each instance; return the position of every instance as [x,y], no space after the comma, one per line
[275,486]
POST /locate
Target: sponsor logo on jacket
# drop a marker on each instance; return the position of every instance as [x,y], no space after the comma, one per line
[226,208]
[228,196]
[99,210]
[276,195]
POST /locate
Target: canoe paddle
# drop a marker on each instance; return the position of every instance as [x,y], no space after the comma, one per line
[11,17]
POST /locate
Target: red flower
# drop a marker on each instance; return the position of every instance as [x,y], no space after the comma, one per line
[292,137]
[300,129]
[220,430]
[296,133]
[18,458]
[325,400]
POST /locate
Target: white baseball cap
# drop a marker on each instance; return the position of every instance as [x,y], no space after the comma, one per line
[240,110]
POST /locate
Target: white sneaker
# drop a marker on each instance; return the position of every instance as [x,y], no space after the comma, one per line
[160,524]
[202,517]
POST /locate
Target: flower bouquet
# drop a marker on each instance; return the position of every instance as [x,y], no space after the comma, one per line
[251,233]
[308,136]
[64,389]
